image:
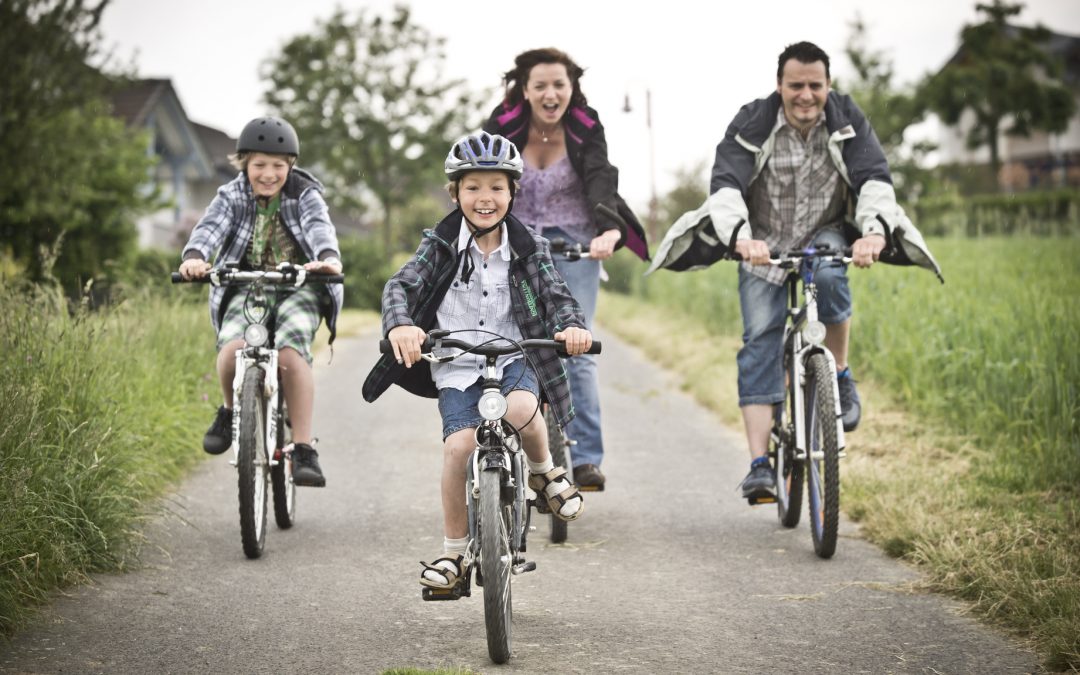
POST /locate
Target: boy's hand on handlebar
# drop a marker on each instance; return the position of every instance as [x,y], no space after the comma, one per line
[753,251]
[865,251]
[194,268]
[406,341]
[603,247]
[328,266]
[578,340]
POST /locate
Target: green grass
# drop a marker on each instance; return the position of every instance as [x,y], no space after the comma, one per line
[102,410]
[968,459]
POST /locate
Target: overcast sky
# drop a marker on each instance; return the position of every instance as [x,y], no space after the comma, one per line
[701,59]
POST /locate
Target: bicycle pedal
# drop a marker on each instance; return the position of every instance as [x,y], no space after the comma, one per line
[754,501]
[523,567]
[455,593]
[590,488]
[541,506]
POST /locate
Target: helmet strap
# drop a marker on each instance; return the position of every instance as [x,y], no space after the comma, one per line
[467,266]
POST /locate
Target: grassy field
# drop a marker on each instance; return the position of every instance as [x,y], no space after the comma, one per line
[968,460]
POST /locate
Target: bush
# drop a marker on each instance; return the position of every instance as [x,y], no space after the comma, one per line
[1044,213]
[367,268]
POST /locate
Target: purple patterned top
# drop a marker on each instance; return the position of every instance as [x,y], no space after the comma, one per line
[554,197]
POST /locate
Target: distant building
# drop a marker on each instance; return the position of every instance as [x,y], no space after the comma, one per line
[1039,161]
[193,159]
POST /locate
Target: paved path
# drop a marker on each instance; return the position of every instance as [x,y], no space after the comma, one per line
[667,572]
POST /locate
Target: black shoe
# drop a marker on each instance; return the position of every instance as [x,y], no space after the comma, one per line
[218,437]
[850,405]
[588,477]
[305,469]
[760,483]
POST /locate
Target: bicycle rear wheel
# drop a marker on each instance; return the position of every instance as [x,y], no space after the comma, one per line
[823,455]
[281,475]
[495,562]
[252,464]
[559,457]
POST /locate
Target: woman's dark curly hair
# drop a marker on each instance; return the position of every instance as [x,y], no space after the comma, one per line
[516,79]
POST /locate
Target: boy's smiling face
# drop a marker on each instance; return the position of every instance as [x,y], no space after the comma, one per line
[267,173]
[484,197]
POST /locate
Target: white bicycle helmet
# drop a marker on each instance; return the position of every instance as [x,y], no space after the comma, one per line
[483,152]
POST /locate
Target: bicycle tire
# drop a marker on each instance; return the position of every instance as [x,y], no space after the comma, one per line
[789,471]
[281,475]
[252,463]
[823,455]
[495,562]
[559,457]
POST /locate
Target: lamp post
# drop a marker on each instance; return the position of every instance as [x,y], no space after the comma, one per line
[653,201]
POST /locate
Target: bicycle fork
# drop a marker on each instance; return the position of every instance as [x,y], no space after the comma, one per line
[267,359]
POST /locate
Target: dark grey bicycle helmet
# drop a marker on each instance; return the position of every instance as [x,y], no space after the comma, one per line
[271,135]
[483,152]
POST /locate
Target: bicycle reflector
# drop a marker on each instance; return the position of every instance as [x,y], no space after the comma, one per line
[492,405]
[256,334]
[814,332]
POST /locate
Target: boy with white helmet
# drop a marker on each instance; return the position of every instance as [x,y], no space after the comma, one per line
[482,270]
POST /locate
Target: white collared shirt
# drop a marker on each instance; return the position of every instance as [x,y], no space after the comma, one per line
[481,305]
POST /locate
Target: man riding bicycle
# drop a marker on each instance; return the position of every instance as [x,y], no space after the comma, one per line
[786,174]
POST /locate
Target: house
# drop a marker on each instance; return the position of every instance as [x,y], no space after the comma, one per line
[193,159]
[1040,161]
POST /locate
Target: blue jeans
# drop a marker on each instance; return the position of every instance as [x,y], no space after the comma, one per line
[764,307]
[459,408]
[583,279]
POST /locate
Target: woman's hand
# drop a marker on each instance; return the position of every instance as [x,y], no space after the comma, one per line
[578,340]
[194,268]
[407,341]
[603,247]
[328,266]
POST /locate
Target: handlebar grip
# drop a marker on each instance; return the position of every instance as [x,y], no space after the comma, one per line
[594,349]
[386,348]
[178,279]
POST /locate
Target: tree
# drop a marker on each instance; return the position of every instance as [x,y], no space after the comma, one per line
[890,109]
[372,107]
[71,174]
[1004,75]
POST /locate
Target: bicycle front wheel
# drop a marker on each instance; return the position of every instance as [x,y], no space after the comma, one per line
[823,455]
[559,457]
[495,562]
[252,463]
[281,475]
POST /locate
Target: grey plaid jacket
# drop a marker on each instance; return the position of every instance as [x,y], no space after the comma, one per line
[540,301]
[229,221]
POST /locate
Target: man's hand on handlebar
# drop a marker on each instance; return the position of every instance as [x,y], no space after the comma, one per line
[194,268]
[753,251]
[407,341]
[328,266]
[865,251]
[603,247]
[578,340]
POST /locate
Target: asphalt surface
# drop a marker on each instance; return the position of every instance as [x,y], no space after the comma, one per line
[668,571]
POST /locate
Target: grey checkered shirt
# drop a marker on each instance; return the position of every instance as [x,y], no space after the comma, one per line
[798,194]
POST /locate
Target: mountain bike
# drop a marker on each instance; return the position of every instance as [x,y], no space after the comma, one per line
[262,443]
[496,490]
[807,437]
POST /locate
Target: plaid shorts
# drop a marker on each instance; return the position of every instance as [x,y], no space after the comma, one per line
[297,318]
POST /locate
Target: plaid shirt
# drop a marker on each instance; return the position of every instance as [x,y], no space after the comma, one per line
[228,224]
[798,193]
[541,305]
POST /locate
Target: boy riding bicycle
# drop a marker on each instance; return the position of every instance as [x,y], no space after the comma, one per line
[481,272]
[271,213]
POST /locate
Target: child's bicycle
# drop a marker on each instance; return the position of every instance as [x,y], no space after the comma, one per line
[260,419]
[496,489]
[807,437]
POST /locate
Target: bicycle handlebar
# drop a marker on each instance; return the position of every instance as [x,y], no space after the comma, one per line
[569,250]
[786,258]
[228,277]
[438,339]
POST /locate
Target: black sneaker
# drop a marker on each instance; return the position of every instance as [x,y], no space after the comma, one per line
[759,483]
[305,470]
[218,437]
[850,405]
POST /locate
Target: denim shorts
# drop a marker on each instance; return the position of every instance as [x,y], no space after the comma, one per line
[764,305]
[459,408]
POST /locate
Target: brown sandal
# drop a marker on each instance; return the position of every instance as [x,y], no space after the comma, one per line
[539,483]
[451,574]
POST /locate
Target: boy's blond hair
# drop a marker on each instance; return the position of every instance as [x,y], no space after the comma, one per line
[239,160]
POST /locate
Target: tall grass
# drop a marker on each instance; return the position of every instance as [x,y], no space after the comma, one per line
[101,410]
[976,473]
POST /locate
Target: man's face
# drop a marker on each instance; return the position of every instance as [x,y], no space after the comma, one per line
[804,88]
